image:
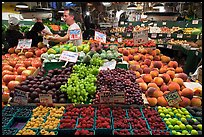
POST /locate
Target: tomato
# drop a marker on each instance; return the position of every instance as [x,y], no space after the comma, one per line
[38,53]
[6,72]
[36,64]
[28,54]
[12,84]
[11,50]
[3,64]
[7,55]
[20,69]
[19,64]
[27,63]
[7,78]
[12,63]
[33,69]
[20,78]
[44,49]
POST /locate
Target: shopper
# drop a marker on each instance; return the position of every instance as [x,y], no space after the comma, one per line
[69,18]
[12,34]
[90,32]
[35,34]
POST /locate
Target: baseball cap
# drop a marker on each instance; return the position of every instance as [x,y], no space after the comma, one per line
[13,21]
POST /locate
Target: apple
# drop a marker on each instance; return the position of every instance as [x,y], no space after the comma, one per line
[27,72]
[20,69]
[20,78]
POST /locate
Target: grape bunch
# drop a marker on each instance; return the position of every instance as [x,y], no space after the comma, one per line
[82,83]
[116,80]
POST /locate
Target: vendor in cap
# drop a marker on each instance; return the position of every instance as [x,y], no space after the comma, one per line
[13,34]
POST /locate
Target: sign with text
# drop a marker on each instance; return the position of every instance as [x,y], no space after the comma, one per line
[154,35]
[45,98]
[20,97]
[69,56]
[100,37]
[194,21]
[24,44]
[140,37]
[172,98]
[169,46]
[163,23]
[108,97]
[179,35]
[75,34]
[108,65]
[161,46]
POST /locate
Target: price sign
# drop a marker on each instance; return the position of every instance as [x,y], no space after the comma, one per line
[45,98]
[168,35]
[179,35]
[128,34]
[161,46]
[122,23]
[172,98]
[126,23]
[197,37]
[196,53]
[155,24]
[75,34]
[21,97]
[163,23]
[169,46]
[100,37]
[120,40]
[24,44]
[112,39]
[194,21]
[108,97]
[130,23]
[153,35]
[108,65]
[142,25]
[69,56]
[116,34]
[160,35]
[140,37]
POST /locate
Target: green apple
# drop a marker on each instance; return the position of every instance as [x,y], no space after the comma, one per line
[162,115]
[182,126]
[188,134]
[183,119]
[179,122]
[166,111]
[189,127]
[188,116]
[171,127]
[175,111]
[159,107]
[171,114]
[168,116]
[165,119]
[173,132]
[173,121]
[160,110]
[176,127]
[186,112]
[169,109]
[178,114]
[194,132]
[183,109]
[185,132]
[173,108]
[168,122]
[194,119]
[199,126]
[178,133]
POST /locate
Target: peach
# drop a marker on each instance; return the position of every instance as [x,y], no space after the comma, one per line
[158,80]
[150,92]
[162,70]
[125,52]
[137,57]
[157,64]
[180,92]
[142,58]
[120,50]
[171,73]
[154,73]
[173,64]
[165,59]
[132,62]
[132,51]
[196,102]
[165,92]
[139,80]
[136,50]
[125,58]
[187,92]
[131,57]
[153,85]
[179,70]
[164,88]
[185,102]
[166,77]
[147,78]
[146,70]
[182,75]
[157,93]
[182,87]
[198,92]
[157,51]
[143,51]
[156,58]
[161,101]
[173,86]
[179,81]
[152,101]
[139,70]
[132,67]
[137,74]
[143,66]
[143,86]
[147,62]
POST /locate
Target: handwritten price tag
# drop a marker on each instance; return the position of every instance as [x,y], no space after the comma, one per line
[24,44]
[116,34]
[75,34]
[69,56]
[107,97]
[163,23]
[172,98]
[179,35]
[45,98]
[155,24]
[142,25]
[122,23]
[160,35]
[169,46]
[154,35]
[20,97]
[161,46]
[168,35]
[128,34]
[194,21]
[100,37]
[130,23]
[196,53]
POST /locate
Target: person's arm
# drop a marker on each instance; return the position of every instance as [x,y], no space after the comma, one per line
[58,39]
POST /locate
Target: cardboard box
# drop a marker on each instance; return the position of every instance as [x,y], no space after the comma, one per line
[200,75]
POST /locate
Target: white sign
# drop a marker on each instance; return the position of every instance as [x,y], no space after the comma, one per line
[168,35]
[24,44]
[128,34]
[179,35]
[108,97]
[161,46]
[75,34]
[122,23]
[45,98]
[153,35]
[100,37]
[142,25]
[194,21]
[169,46]
[155,24]
[108,65]
[196,53]
[160,35]
[140,37]
[130,23]
[116,34]
[69,56]
[163,23]
[21,97]
[120,40]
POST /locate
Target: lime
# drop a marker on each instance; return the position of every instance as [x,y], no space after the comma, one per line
[179,122]
[168,122]
[171,127]
[199,126]
[186,112]
[189,127]
[162,114]
[160,111]
[168,116]
[183,119]
[188,116]
[178,133]
[184,132]
[171,114]
[176,127]
[182,126]
[173,132]
[183,109]
[194,132]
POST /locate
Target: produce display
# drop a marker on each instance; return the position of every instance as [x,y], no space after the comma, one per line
[130,43]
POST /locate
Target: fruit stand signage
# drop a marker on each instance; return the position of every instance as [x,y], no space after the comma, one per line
[20,97]
[69,56]
[108,65]
[24,44]
[194,21]
[173,98]
[75,34]
[140,37]
[108,97]
[100,37]
[45,98]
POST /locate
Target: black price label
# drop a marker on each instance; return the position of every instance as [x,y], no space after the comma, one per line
[21,97]
[108,97]
[45,98]
[173,98]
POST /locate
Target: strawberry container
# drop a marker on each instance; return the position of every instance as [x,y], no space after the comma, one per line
[121,123]
[84,132]
[141,131]
[122,132]
[105,127]
[160,132]
[139,123]
[86,123]
[67,120]
[134,112]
